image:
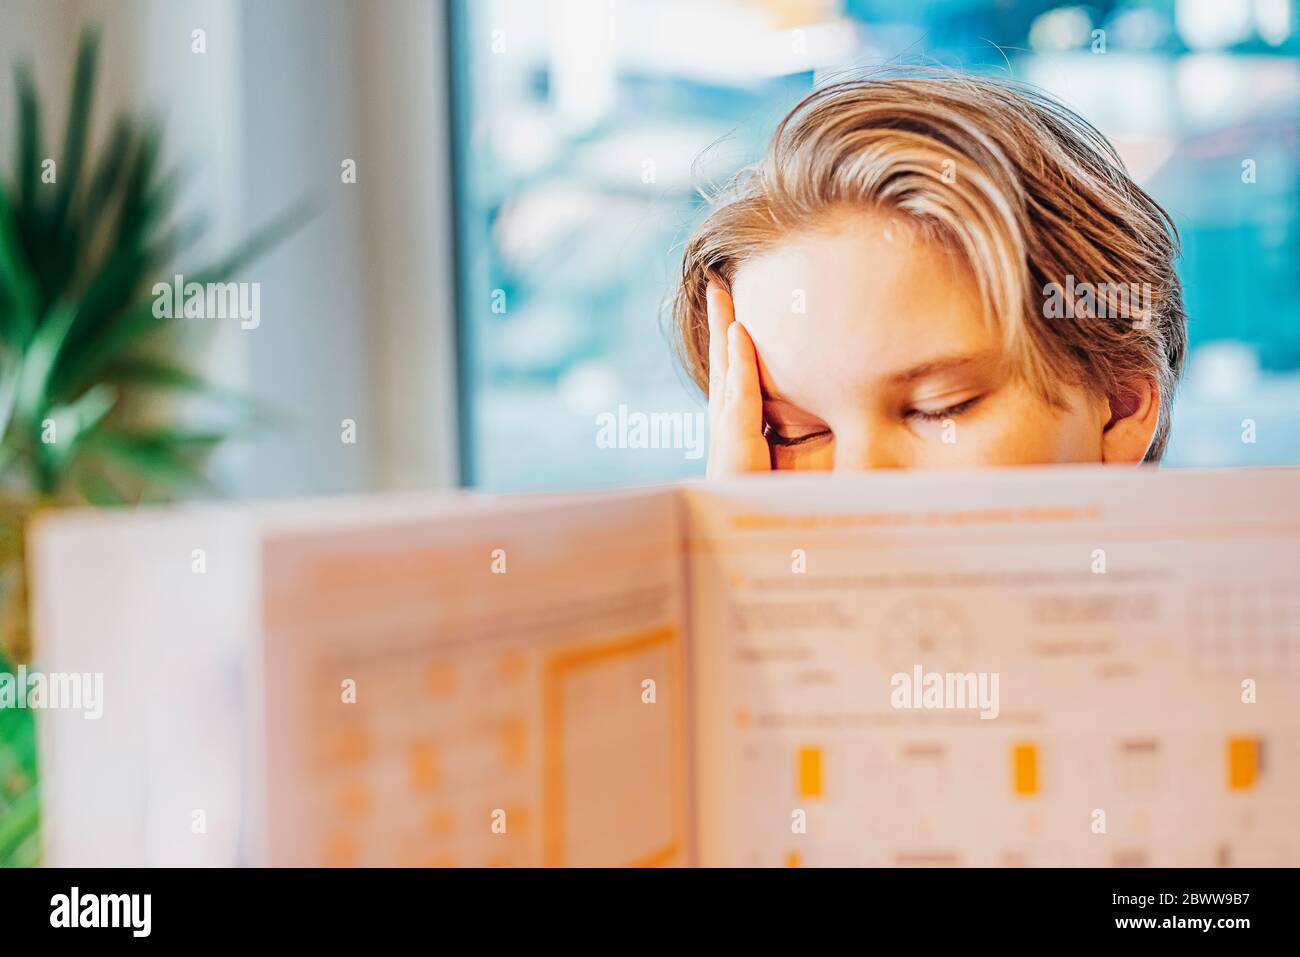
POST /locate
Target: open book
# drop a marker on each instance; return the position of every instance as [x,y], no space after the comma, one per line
[1079,666]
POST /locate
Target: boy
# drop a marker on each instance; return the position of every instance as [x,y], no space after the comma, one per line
[931,272]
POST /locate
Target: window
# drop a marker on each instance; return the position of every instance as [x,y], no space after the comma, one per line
[585,128]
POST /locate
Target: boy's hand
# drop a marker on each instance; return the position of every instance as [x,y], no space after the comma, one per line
[736,442]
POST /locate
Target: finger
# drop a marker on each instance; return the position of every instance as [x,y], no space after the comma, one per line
[742,407]
[721,315]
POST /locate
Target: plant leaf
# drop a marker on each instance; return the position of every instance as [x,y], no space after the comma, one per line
[130,327]
[18,292]
[149,373]
[73,423]
[167,456]
[9,369]
[158,374]
[98,490]
[142,166]
[103,184]
[29,135]
[38,364]
[74,140]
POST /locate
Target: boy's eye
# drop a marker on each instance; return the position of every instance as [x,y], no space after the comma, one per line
[791,437]
[938,415]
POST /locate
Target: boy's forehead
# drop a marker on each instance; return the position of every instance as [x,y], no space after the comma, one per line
[810,273]
[834,313]
[872,271]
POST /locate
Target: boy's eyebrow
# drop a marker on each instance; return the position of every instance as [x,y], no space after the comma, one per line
[939,365]
[935,366]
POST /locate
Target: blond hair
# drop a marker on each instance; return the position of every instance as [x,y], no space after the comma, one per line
[1027,193]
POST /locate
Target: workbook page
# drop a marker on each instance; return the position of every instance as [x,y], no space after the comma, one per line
[499,684]
[1076,666]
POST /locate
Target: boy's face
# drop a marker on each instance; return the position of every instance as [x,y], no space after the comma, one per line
[889,363]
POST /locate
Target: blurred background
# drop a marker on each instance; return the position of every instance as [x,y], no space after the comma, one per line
[527,170]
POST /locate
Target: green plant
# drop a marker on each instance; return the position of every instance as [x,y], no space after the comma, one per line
[82,243]
[78,258]
[19,797]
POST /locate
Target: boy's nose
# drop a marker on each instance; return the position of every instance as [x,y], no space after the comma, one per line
[865,450]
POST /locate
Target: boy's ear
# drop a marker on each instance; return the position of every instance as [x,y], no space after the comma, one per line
[1134,415]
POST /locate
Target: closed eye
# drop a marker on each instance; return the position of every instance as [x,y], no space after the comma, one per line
[785,441]
[938,415]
